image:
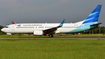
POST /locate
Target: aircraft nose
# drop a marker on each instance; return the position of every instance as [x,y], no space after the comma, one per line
[2,29]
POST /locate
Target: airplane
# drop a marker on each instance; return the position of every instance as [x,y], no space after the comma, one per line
[48,29]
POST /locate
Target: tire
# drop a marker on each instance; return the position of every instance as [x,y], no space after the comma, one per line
[51,35]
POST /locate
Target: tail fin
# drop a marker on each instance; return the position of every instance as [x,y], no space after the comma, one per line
[13,22]
[94,16]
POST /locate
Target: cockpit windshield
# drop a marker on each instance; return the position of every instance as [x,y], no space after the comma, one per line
[6,26]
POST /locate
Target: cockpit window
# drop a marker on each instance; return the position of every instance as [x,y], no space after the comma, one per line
[6,27]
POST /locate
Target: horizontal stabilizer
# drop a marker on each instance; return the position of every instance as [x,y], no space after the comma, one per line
[96,24]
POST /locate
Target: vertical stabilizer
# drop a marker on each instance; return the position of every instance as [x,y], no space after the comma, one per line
[94,16]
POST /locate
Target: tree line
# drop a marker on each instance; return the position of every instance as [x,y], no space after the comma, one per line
[99,30]
[1,33]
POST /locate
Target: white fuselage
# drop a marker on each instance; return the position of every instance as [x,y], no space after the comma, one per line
[31,27]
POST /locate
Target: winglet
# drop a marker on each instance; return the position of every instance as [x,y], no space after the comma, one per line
[62,23]
[13,22]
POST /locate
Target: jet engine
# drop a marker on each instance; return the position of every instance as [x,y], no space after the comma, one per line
[8,33]
[38,33]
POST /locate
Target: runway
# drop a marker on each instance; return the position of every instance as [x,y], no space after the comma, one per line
[85,38]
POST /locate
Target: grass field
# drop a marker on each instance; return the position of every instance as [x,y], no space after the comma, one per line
[72,36]
[51,49]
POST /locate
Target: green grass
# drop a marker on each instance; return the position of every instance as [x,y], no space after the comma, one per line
[51,49]
[73,36]
[21,36]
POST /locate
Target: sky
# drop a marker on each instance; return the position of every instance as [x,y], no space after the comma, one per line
[51,11]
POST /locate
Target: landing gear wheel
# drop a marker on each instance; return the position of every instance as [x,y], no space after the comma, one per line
[51,35]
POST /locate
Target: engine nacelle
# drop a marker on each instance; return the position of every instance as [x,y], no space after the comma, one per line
[38,33]
[8,33]
[57,32]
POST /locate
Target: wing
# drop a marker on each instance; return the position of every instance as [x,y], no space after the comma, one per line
[52,30]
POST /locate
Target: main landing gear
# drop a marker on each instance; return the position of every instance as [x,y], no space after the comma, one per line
[50,35]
